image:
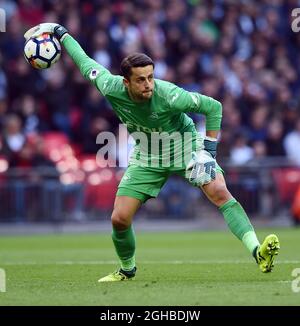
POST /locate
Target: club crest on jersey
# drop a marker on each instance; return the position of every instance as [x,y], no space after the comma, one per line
[94,73]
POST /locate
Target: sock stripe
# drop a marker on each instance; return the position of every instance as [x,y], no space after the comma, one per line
[229,203]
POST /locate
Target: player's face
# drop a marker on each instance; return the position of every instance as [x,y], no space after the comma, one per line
[141,83]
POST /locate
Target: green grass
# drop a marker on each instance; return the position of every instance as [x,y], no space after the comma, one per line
[191,268]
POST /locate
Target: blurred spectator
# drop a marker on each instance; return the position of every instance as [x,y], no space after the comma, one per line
[274,140]
[3,84]
[3,112]
[13,139]
[28,110]
[98,125]
[58,99]
[241,152]
[101,50]
[258,124]
[259,151]
[292,143]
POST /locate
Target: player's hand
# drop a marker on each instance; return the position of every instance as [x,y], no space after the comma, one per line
[201,169]
[51,28]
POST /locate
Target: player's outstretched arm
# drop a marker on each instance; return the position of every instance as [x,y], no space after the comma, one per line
[88,67]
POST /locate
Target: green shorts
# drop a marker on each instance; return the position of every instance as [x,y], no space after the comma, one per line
[145,182]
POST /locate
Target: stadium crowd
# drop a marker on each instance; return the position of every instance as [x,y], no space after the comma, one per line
[243,53]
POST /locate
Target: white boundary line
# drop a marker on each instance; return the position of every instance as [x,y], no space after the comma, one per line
[150,262]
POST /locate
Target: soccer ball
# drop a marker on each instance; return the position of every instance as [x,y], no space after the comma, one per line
[42,51]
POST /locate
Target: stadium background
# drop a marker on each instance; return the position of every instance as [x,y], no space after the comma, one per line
[243,53]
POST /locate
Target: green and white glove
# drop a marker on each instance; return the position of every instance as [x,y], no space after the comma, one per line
[57,30]
[201,169]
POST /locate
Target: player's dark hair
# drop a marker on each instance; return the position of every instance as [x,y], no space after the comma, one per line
[134,60]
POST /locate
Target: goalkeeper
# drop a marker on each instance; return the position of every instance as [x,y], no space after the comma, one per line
[147,105]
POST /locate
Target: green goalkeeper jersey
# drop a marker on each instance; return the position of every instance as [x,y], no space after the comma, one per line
[163,118]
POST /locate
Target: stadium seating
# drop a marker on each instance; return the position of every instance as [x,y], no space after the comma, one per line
[287,181]
[100,183]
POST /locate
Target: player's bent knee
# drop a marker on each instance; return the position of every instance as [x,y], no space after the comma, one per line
[120,220]
[219,194]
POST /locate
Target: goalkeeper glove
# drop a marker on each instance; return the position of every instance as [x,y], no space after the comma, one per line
[201,169]
[57,30]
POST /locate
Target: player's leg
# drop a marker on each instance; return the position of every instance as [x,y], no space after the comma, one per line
[234,215]
[123,237]
[136,187]
[239,223]
[122,230]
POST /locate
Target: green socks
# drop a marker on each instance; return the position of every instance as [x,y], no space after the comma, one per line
[124,242]
[234,215]
[239,224]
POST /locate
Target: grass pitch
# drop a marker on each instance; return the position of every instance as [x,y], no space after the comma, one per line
[187,268]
